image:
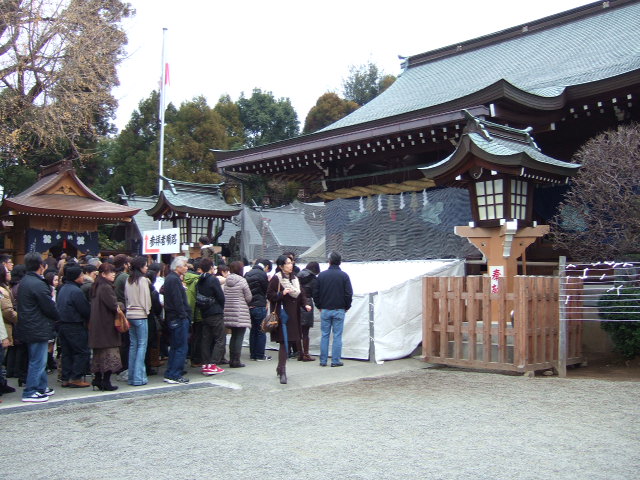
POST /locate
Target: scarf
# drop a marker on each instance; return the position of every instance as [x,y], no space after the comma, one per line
[293,285]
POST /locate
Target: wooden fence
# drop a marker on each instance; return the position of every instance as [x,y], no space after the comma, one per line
[466,325]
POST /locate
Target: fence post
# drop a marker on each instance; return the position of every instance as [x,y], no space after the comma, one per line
[372,342]
[562,318]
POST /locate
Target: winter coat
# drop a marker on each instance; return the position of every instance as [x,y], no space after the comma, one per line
[291,305]
[72,304]
[118,285]
[258,284]
[102,330]
[176,305]
[191,280]
[37,312]
[307,281]
[333,290]
[9,314]
[209,286]
[236,304]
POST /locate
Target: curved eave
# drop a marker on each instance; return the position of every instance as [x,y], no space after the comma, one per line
[455,163]
[12,208]
[163,205]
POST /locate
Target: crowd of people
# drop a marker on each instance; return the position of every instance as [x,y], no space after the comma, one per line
[58,314]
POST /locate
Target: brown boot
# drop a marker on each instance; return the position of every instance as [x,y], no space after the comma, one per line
[305,347]
[154,357]
[283,375]
[78,384]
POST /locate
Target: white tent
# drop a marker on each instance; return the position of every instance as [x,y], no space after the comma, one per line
[385,319]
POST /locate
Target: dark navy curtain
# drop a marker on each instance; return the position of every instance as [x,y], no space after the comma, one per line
[43,240]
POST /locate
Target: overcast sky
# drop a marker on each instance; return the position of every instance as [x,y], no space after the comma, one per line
[294,49]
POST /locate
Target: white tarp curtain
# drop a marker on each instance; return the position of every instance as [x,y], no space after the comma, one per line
[397,311]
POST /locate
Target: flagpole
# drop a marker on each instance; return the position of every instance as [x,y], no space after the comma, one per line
[163,82]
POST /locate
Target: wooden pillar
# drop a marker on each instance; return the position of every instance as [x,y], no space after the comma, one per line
[502,246]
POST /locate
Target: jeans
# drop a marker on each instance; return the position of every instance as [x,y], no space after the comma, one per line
[177,348]
[74,349]
[257,338]
[213,339]
[138,335]
[37,372]
[331,319]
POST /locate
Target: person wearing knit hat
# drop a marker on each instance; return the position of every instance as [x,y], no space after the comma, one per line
[74,310]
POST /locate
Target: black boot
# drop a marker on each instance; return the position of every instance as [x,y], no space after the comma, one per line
[97,381]
[283,375]
[235,361]
[106,383]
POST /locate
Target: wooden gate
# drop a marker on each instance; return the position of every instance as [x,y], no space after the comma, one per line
[466,325]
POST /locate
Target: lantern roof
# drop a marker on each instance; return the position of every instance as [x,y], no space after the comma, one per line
[501,149]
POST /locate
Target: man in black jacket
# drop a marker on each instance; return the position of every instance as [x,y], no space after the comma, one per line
[178,317]
[74,310]
[258,283]
[38,315]
[213,339]
[332,295]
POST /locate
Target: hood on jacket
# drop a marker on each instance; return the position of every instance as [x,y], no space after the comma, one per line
[190,278]
[233,280]
[305,276]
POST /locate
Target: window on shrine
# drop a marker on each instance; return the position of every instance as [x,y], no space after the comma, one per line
[199,227]
[181,223]
[518,199]
[490,197]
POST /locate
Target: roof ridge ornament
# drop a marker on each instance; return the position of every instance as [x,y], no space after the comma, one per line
[476,125]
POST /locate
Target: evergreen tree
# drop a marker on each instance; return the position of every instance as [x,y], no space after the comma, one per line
[190,137]
[365,82]
[328,109]
[266,119]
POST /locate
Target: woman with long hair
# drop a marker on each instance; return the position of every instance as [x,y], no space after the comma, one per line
[138,296]
[236,311]
[9,318]
[286,297]
[104,339]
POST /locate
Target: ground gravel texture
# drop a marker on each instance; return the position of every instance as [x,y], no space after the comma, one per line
[427,423]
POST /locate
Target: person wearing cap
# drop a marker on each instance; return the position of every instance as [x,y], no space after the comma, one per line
[74,310]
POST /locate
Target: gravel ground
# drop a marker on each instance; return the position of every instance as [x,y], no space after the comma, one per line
[424,423]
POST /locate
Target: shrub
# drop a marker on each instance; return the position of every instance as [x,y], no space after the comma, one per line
[623,307]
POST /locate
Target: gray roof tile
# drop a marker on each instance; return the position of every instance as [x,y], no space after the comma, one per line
[541,62]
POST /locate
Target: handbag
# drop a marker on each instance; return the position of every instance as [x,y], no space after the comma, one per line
[271,321]
[121,322]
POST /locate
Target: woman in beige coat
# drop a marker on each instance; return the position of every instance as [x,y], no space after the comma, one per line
[237,296]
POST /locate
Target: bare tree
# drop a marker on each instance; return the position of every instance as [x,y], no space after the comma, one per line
[58,62]
[600,215]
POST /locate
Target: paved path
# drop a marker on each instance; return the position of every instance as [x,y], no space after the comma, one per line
[398,420]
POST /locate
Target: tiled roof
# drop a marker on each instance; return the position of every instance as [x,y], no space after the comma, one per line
[195,199]
[74,198]
[144,222]
[499,145]
[541,59]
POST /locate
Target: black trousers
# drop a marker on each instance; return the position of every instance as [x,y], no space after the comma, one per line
[196,341]
[235,342]
[74,348]
[213,339]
